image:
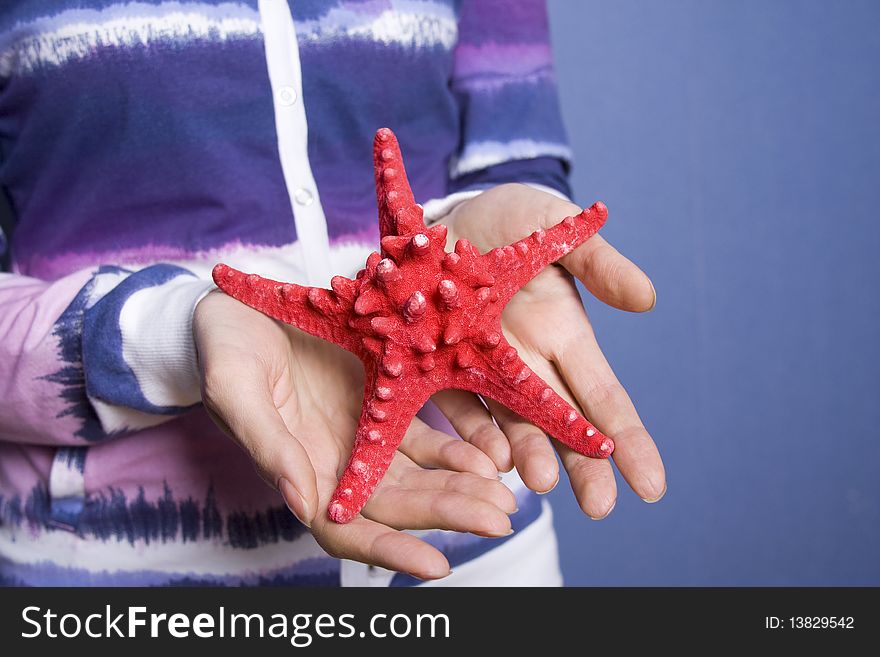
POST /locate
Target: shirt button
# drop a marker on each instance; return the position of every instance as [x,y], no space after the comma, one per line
[303,196]
[287,96]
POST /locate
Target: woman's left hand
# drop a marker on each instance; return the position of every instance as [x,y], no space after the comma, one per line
[547,324]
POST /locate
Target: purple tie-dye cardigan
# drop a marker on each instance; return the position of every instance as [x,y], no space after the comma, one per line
[142,142]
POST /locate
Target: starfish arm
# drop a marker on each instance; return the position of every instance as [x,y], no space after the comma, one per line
[399,214]
[516,264]
[316,311]
[390,403]
[509,381]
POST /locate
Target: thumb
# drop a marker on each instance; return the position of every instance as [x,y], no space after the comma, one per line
[249,416]
[518,210]
[281,460]
[610,276]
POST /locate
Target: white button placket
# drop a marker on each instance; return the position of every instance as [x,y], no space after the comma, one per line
[285,76]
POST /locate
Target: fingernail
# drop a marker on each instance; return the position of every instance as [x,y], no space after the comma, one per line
[652,500]
[607,513]
[654,292]
[429,576]
[555,483]
[495,534]
[516,510]
[295,502]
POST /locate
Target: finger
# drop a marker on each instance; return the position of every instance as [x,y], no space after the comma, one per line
[610,276]
[373,543]
[592,481]
[418,508]
[413,498]
[532,453]
[474,424]
[249,414]
[434,449]
[607,405]
[488,490]
[604,271]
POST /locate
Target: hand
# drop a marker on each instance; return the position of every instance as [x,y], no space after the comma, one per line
[292,402]
[547,324]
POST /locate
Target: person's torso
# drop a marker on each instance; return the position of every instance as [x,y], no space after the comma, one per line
[134,133]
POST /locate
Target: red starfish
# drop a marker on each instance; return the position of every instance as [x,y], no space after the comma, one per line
[423,320]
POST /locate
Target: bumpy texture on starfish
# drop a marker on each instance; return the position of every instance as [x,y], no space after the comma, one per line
[423,320]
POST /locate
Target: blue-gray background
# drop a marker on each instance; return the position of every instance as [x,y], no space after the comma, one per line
[737,146]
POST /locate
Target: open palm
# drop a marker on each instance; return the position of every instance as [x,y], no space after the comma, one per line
[547,324]
[293,401]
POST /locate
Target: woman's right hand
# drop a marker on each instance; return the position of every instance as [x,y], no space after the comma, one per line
[292,402]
